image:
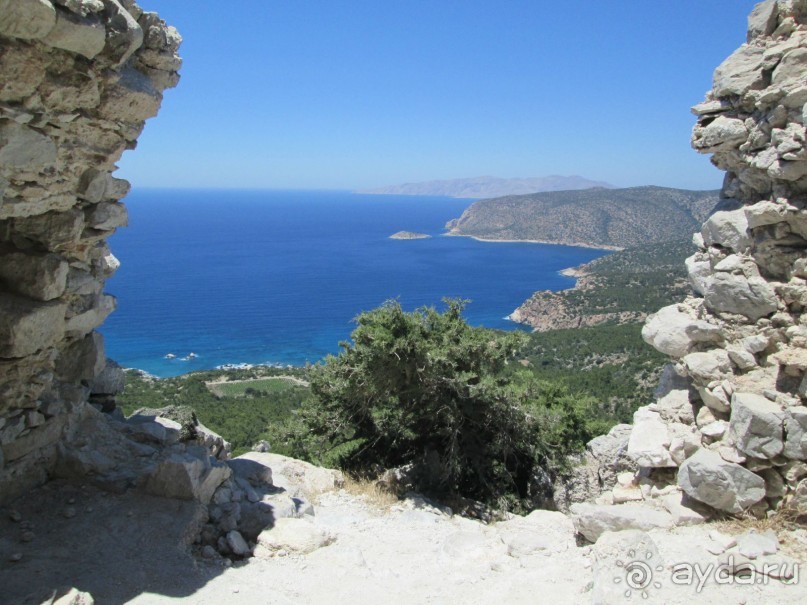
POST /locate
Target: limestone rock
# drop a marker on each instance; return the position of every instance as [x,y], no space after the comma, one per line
[729,487]
[27,19]
[731,293]
[728,229]
[187,477]
[720,135]
[593,520]
[675,332]
[542,531]
[25,148]
[756,425]
[298,536]
[762,20]
[707,366]
[41,277]
[795,446]
[298,478]
[676,407]
[740,72]
[649,440]
[85,36]
[237,544]
[29,326]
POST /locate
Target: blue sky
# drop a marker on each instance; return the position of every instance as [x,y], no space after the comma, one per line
[351,94]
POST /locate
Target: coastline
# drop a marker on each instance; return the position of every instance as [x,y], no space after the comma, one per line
[535,241]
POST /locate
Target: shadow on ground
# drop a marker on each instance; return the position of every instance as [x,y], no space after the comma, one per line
[114,546]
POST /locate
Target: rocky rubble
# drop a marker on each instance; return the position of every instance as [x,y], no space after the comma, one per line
[80,77]
[727,434]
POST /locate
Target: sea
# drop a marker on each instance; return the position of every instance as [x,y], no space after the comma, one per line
[212,278]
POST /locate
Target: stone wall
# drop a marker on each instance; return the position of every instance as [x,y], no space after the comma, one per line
[735,428]
[79,79]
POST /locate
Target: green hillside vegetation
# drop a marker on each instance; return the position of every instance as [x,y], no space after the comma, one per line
[616,218]
[622,287]
[609,362]
[243,414]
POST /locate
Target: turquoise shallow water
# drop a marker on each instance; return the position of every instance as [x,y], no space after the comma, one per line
[277,276]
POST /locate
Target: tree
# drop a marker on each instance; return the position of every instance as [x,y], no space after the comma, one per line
[425,388]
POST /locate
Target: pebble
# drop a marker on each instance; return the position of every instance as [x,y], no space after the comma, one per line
[208,552]
[27,536]
[226,562]
[15,516]
[69,512]
[17,556]
[71,501]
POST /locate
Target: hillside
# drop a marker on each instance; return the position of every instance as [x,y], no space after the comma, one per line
[622,287]
[605,218]
[488,186]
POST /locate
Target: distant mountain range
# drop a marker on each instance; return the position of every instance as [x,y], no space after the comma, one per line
[603,218]
[489,186]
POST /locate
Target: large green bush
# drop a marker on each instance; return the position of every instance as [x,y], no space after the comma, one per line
[425,388]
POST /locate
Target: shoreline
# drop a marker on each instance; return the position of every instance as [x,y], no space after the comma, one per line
[535,241]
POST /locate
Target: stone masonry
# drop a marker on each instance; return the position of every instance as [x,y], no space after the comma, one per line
[734,428]
[79,79]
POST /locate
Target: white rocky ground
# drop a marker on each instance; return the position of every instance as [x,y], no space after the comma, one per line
[133,548]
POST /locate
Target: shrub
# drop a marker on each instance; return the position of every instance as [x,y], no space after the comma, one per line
[425,388]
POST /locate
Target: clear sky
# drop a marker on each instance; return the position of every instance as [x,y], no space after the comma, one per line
[349,94]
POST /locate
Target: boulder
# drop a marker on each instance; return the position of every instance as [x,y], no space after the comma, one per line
[110,381]
[762,20]
[795,446]
[675,332]
[238,546]
[725,486]
[295,476]
[752,296]
[756,425]
[25,148]
[676,407]
[707,366]
[649,440]
[85,36]
[720,134]
[542,531]
[188,476]
[26,19]
[42,277]
[728,229]
[593,520]
[740,72]
[296,536]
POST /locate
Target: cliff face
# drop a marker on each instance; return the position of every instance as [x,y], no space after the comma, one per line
[738,434]
[79,79]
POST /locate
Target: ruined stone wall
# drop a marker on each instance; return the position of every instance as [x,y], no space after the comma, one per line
[736,427]
[78,79]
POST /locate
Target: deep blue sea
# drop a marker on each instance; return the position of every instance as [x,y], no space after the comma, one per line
[277,276]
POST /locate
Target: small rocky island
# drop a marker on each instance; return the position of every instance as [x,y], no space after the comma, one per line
[409,235]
